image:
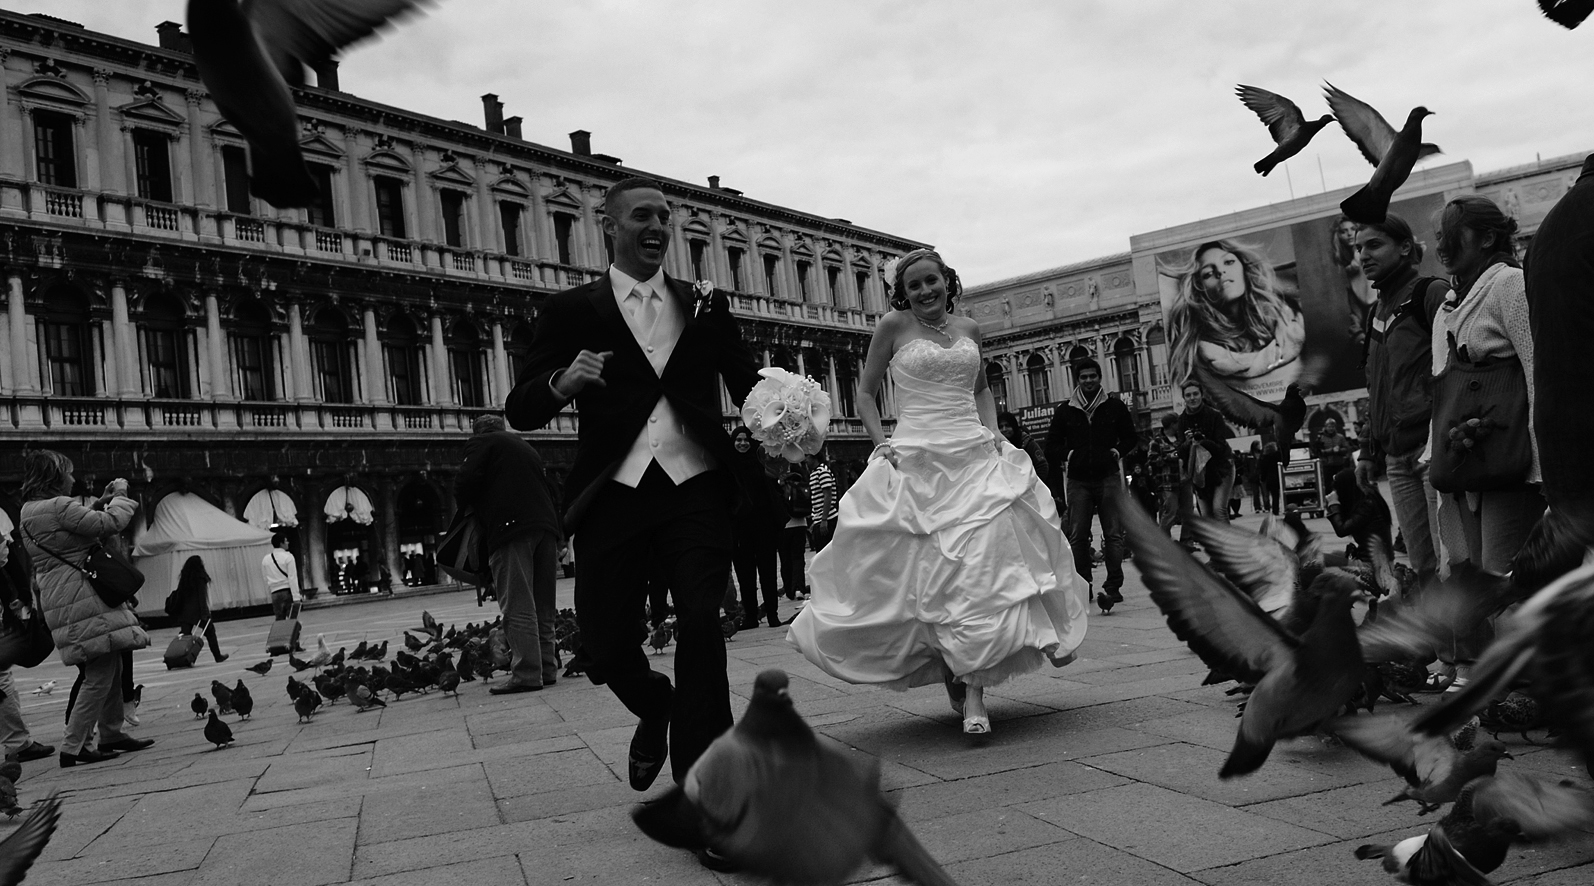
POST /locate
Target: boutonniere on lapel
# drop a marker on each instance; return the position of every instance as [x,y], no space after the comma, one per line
[702,297]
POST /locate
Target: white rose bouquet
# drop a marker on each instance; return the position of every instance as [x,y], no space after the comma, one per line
[788,413]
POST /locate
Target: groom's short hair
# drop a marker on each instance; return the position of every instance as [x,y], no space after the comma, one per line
[634,183]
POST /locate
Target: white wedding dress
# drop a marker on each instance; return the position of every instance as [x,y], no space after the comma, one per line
[955,555]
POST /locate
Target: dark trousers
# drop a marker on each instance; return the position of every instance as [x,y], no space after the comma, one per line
[525,575]
[281,604]
[754,559]
[820,533]
[1085,499]
[682,534]
[210,636]
[793,547]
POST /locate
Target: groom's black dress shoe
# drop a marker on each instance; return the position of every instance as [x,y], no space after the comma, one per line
[650,747]
[715,862]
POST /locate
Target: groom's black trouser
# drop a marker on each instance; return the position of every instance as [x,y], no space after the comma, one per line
[683,534]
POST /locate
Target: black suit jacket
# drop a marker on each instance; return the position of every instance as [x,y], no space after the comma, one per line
[502,477]
[613,414]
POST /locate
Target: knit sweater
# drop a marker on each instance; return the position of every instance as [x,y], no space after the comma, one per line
[1491,320]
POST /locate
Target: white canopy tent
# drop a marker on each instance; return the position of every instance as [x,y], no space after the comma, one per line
[349,503]
[186,525]
[270,507]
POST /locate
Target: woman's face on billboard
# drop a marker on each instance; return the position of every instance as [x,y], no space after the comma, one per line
[1220,274]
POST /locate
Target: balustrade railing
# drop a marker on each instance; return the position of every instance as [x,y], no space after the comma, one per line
[464,261]
[249,230]
[63,203]
[328,241]
[161,218]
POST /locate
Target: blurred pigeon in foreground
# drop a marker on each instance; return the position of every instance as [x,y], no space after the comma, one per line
[18,851]
[1434,770]
[1393,153]
[1285,122]
[1566,13]
[1474,837]
[250,53]
[770,796]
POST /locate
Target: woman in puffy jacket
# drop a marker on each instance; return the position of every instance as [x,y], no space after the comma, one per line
[59,531]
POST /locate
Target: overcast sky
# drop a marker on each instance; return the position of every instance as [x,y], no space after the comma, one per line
[1015,136]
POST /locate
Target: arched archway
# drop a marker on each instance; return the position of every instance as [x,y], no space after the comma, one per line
[419,520]
[1126,363]
[996,380]
[1040,387]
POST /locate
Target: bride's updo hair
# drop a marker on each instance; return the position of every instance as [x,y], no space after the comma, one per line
[897,267]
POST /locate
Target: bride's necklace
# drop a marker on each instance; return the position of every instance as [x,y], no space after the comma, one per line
[936,327]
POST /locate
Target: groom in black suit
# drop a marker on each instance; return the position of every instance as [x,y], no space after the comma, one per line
[651,494]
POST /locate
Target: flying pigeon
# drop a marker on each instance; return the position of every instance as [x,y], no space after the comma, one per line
[1434,770]
[1545,644]
[250,53]
[768,794]
[1566,13]
[1302,678]
[1392,153]
[1283,418]
[217,732]
[242,701]
[8,798]
[200,707]
[1556,545]
[262,668]
[19,849]
[1290,129]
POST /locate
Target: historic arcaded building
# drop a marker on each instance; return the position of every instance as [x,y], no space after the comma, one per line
[319,369]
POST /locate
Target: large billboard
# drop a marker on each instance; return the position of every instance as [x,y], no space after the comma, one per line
[1256,308]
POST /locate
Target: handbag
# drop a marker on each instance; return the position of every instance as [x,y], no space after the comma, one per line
[1480,424]
[458,554]
[109,572]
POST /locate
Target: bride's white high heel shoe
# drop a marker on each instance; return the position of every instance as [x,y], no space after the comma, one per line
[975,723]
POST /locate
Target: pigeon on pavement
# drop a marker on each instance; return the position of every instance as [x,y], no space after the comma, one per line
[1392,153]
[217,732]
[262,668]
[768,793]
[45,688]
[19,849]
[250,53]
[223,696]
[1289,127]
[200,707]
[1434,770]
[242,701]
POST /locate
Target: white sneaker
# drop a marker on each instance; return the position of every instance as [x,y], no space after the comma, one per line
[131,718]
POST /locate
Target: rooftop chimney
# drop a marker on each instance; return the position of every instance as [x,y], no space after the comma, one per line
[581,143]
[326,74]
[714,182]
[512,127]
[173,38]
[494,111]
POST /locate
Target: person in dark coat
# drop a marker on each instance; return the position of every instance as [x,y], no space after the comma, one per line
[1204,445]
[193,603]
[503,479]
[1085,447]
[759,518]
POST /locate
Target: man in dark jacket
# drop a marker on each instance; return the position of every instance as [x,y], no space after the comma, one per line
[1085,446]
[1400,381]
[1204,445]
[502,479]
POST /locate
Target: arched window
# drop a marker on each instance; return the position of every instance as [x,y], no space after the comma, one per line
[166,347]
[468,361]
[406,372]
[330,353]
[65,339]
[1040,388]
[1127,364]
[519,348]
[1157,354]
[996,380]
[252,351]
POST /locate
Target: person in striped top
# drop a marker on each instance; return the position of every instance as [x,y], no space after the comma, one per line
[824,504]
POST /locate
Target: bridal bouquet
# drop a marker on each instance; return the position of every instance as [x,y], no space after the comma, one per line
[787,413]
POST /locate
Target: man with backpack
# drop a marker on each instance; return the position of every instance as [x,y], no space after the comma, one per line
[1399,364]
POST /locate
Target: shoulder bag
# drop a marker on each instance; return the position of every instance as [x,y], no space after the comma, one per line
[109,572]
[1480,425]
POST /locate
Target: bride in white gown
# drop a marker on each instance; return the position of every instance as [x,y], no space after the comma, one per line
[948,562]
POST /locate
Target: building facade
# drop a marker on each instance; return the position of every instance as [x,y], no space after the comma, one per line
[318,369]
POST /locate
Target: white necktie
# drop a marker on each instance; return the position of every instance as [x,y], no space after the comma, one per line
[646,311]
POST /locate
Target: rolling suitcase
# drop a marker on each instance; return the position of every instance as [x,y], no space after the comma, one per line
[184,649]
[284,635]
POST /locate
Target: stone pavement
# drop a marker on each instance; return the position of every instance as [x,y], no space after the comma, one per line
[1103,772]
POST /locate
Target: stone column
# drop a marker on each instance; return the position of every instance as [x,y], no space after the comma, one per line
[388,533]
[220,376]
[202,192]
[424,197]
[106,134]
[488,237]
[356,187]
[22,373]
[375,383]
[314,526]
[541,239]
[127,374]
[588,251]
[11,130]
[300,349]
[501,379]
[442,391]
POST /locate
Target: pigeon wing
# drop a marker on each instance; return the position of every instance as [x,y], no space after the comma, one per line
[1566,13]
[1415,629]
[1239,407]
[1540,806]
[1563,672]
[308,32]
[1223,625]
[1258,565]
[1438,861]
[1389,740]
[19,850]
[1366,127]
[1282,116]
